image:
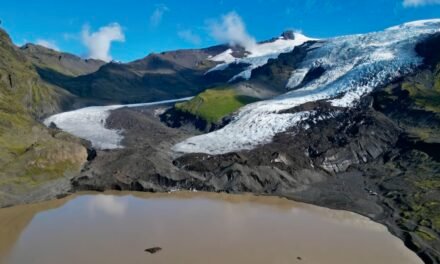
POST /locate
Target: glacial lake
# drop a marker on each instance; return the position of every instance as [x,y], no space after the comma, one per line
[191,228]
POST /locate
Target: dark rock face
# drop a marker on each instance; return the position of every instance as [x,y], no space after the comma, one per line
[176,118]
[301,157]
[289,34]
[428,50]
[276,73]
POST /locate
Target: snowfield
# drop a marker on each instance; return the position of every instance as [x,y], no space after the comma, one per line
[89,123]
[354,65]
[258,55]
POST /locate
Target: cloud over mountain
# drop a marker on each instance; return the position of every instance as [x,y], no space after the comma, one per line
[231,28]
[99,43]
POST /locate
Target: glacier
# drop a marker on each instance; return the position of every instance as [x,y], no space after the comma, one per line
[354,66]
[89,123]
[258,55]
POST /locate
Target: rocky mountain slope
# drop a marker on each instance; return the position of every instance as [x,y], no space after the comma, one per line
[173,74]
[47,60]
[155,77]
[30,154]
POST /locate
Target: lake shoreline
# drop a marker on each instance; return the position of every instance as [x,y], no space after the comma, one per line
[393,230]
[248,200]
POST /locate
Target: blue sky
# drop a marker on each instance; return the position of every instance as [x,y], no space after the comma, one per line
[132,29]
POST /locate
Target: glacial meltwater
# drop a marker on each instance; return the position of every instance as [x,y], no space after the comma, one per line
[191,228]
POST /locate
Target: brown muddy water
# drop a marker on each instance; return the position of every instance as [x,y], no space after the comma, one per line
[191,228]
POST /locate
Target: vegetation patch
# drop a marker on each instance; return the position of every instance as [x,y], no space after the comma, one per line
[428,184]
[425,235]
[214,104]
[425,90]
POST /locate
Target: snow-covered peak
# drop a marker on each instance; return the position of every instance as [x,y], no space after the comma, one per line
[353,66]
[276,46]
[259,54]
[417,23]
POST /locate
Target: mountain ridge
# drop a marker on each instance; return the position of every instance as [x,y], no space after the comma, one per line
[161,76]
[62,62]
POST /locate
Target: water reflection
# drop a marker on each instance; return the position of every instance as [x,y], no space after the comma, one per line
[111,205]
[192,228]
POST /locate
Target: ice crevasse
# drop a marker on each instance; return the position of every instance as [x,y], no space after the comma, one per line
[354,66]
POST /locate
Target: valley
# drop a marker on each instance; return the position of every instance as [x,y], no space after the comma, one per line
[348,123]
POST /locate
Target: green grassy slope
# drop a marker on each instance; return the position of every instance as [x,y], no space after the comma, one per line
[214,104]
[424,92]
[414,103]
[30,154]
[425,89]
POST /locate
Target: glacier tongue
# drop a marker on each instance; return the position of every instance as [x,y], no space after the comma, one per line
[89,123]
[354,65]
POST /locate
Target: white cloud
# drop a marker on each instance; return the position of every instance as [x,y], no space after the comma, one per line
[189,36]
[415,3]
[231,29]
[157,15]
[47,43]
[98,43]
[108,204]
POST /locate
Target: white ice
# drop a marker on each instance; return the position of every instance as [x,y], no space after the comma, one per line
[89,123]
[258,55]
[225,56]
[354,65]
